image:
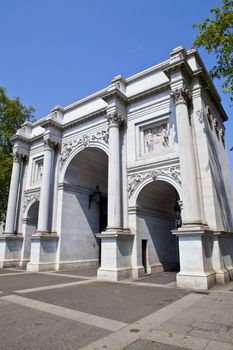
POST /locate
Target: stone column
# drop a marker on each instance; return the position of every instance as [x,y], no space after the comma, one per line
[115,120]
[44,209]
[13,194]
[191,202]
[116,242]
[43,242]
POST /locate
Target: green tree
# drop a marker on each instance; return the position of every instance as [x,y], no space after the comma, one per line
[12,115]
[216,36]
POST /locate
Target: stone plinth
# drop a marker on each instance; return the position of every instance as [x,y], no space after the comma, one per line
[195,249]
[43,252]
[116,250]
[10,250]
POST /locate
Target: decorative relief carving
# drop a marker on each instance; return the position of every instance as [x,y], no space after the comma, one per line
[181,95]
[51,143]
[115,119]
[19,155]
[156,139]
[215,124]
[82,141]
[101,135]
[29,198]
[134,180]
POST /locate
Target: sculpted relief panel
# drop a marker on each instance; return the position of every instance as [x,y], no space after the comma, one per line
[156,139]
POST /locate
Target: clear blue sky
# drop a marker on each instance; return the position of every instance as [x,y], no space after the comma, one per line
[58,51]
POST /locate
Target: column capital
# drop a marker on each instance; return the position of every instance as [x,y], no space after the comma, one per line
[181,95]
[51,143]
[19,155]
[115,119]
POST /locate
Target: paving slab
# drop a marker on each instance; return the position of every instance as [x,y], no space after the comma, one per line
[10,271]
[210,318]
[24,329]
[86,272]
[121,302]
[143,344]
[160,278]
[30,280]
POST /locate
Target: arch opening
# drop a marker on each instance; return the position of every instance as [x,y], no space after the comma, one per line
[157,209]
[84,208]
[31,227]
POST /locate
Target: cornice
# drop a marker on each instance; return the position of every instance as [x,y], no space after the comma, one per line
[114,92]
[149,92]
[51,122]
[181,65]
[84,118]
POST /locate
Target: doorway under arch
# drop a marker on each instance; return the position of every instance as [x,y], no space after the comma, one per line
[31,222]
[157,205]
[84,208]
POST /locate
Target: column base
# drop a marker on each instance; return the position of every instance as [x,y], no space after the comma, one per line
[43,252]
[116,248]
[138,272]
[222,277]
[114,274]
[201,281]
[10,250]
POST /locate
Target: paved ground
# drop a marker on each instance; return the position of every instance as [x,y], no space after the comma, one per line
[72,310]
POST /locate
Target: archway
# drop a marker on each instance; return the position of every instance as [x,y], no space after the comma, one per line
[31,222]
[157,208]
[84,208]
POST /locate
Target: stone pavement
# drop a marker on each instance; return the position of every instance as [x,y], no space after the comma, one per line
[72,310]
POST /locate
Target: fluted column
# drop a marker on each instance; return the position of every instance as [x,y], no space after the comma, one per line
[115,120]
[45,195]
[13,194]
[191,201]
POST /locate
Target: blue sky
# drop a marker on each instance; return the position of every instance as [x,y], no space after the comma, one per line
[58,51]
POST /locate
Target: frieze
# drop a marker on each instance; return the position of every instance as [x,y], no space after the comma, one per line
[156,139]
[134,180]
[84,140]
[29,198]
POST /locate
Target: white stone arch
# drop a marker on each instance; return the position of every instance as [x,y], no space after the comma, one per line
[146,181]
[78,149]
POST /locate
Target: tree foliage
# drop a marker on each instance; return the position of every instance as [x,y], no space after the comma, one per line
[12,115]
[216,36]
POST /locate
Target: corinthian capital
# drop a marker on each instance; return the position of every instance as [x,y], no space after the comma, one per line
[181,95]
[51,143]
[19,155]
[115,119]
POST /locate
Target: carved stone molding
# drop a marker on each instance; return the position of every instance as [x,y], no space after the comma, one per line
[51,143]
[19,155]
[115,119]
[29,198]
[134,180]
[84,140]
[215,124]
[181,95]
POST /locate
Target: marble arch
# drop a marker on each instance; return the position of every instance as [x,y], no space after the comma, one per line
[142,126]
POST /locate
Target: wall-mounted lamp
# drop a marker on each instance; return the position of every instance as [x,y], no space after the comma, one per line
[95,196]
